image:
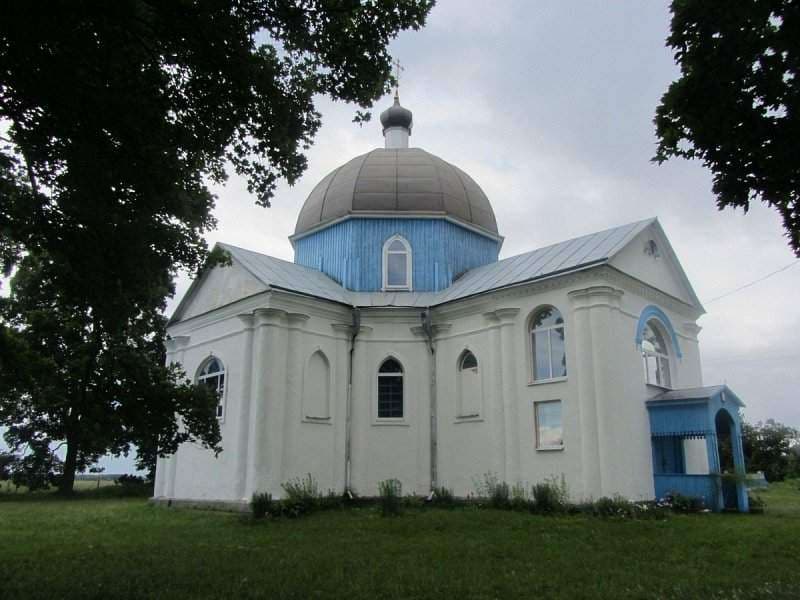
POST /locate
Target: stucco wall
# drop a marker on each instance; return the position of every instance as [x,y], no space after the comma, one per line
[267,341]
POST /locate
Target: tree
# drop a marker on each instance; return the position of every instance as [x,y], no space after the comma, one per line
[736,105]
[118,117]
[770,447]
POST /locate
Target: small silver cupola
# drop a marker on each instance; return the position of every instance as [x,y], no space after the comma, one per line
[397,122]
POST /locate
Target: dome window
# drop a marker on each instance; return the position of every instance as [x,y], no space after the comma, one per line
[397,264]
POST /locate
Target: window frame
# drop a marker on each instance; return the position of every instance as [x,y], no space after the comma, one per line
[407,252]
[537,437]
[660,330]
[401,374]
[461,415]
[532,330]
[222,388]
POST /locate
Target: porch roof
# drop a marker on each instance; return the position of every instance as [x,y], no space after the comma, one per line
[691,412]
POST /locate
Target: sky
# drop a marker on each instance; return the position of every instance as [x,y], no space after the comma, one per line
[548,106]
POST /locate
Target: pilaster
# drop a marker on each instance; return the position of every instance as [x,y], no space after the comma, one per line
[289,411]
[594,314]
[165,485]
[268,391]
[245,400]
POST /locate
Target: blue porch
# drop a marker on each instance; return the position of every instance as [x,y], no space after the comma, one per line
[697,446]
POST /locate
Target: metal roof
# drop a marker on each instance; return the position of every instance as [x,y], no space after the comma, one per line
[568,256]
[696,393]
[397,181]
[277,273]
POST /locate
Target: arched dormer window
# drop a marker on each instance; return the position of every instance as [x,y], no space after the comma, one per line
[390,390]
[397,264]
[212,374]
[549,357]
[655,354]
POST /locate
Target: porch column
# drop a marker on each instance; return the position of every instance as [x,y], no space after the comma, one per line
[715,469]
[741,471]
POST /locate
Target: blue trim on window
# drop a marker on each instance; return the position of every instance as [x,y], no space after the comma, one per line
[650,312]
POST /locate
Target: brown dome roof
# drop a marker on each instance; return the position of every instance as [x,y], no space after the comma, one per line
[404,180]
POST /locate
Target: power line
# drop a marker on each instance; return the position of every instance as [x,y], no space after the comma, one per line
[752,283]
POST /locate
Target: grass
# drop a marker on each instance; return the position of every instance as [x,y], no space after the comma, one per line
[103,547]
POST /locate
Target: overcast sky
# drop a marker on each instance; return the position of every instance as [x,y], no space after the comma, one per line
[549,106]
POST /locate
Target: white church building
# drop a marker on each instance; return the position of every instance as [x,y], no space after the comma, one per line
[398,346]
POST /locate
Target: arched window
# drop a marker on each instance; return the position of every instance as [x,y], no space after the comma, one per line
[212,374]
[317,387]
[547,344]
[397,264]
[390,390]
[468,362]
[655,354]
[469,386]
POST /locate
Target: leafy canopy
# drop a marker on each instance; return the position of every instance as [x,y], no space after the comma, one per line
[115,117]
[736,105]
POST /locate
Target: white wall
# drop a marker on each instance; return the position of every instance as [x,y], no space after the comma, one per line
[268,438]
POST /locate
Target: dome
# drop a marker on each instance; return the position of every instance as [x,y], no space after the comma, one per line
[399,181]
[396,116]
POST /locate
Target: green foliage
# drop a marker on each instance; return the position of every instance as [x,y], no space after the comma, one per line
[117,118]
[261,505]
[302,495]
[735,106]
[390,497]
[757,503]
[493,491]
[37,468]
[771,447]
[681,503]
[442,497]
[550,497]
[519,498]
[613,507]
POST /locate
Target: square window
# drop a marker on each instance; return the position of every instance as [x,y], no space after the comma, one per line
[549,429]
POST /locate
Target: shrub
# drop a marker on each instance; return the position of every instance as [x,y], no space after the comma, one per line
[442,497]
[130,481]
[683,504]
[616,506]
[757,504]
[519,498]
[261,505]
[546,499]
[390,492]
[302,496]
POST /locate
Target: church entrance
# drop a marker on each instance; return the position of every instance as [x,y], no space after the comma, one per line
[697,446]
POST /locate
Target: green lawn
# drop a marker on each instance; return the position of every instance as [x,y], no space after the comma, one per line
[125,548]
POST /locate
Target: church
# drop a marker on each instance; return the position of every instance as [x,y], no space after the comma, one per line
[398,346]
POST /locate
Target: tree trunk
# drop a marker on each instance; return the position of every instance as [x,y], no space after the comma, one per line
[67,482]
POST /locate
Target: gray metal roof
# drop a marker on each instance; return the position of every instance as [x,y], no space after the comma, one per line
[400,180]
[276,273]
[697,393]
[569,256]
